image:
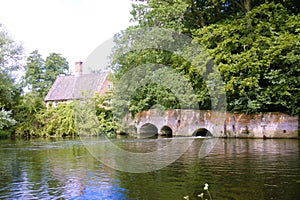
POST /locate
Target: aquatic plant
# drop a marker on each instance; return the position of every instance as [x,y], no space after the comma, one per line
[202,194]
[206,189]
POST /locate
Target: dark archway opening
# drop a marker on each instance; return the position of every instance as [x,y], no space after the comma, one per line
[148,131]
[166,131]
[203,132]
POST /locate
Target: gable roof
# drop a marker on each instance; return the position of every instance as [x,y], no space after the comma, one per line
[76,87]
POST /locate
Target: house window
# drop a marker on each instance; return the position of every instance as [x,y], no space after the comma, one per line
[109,86]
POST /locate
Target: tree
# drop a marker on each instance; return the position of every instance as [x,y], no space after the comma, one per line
[254,46]
[156,76]
[157,13]
[11,53]
[188,15]
[40,74]
[27,112]
[55,65]
[34,71]
[9,91]
[258,57]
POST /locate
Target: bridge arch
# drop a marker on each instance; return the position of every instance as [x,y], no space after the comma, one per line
[203,132]
[166,131]
[148,130]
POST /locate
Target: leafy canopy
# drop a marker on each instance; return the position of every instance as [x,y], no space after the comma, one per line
[40,74]
[253,44]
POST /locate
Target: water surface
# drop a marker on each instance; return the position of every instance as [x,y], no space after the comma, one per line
[234,169]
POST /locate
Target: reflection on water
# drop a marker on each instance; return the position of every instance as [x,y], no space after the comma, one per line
[234,169]
[53,169]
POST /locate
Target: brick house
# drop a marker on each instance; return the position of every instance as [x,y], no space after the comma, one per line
[79,86]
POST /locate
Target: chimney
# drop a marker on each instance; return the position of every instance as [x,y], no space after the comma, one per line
[78,68]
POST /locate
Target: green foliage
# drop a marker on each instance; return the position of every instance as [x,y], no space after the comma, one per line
[9,91]
[86,120]
[152,87]
[34,73]
[34,120]
[157,13]
[41,74]
[182,16]
[11,54]
[94,117]
[107,123]
[5,119]
[55,65]
[185,16]
[89,117]
[158,76]
[57,121]
[258,57]
[254,45]
[26,115]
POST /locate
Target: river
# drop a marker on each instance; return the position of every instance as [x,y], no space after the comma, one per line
[234,169]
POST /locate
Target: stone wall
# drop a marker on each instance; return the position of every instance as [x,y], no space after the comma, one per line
[270,125]
[186,122]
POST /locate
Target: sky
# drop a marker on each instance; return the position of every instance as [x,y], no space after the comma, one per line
[73,28]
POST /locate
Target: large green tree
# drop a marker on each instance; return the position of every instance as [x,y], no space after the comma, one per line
[40,74]
[11,54]
[254,45]
[34,71]
[187,15]
[258,57]
[156,77]
[55,65]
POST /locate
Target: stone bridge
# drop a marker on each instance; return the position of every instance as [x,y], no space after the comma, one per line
[153,123]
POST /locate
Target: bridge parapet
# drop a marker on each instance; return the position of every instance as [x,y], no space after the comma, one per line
[187,122]
[181,122]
